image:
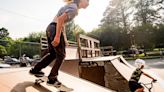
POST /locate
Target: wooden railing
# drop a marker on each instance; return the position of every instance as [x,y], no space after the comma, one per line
[88,47]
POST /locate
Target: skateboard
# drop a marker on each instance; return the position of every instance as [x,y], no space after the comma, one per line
[60,88]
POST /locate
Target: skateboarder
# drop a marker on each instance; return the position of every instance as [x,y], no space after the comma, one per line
[57,39]
[133,82]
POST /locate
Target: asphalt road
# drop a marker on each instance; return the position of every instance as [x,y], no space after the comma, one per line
[152,63]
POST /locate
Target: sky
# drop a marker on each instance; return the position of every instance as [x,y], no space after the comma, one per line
[22,17]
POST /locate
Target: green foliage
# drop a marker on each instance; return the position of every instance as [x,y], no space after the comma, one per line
[3,51]
[73,29]
[19,47]
[145,13]
[6,41]
[159,36]
[14,49]
[34,37]
[69,31]
[131,22]
[3,32]
[110,36]
[30,49]
[95,33]
[144,36]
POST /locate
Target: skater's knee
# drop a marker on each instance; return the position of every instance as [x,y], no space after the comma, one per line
[61,57]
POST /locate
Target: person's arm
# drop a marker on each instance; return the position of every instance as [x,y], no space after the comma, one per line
[149,76]
[59,28]
[65,37]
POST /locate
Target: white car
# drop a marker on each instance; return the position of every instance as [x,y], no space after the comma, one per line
[5,66]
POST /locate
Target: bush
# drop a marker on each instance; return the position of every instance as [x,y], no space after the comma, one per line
[3,51]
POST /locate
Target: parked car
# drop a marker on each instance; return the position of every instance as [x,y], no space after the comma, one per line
[11,61]
[5,66]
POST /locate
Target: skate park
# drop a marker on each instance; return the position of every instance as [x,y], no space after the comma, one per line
[82,71]
[104,42]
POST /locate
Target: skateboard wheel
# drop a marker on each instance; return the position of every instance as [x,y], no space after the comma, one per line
[37,83]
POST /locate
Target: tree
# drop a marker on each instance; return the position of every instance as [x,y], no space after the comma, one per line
[114,27]
[3,51]
[3,32]
[144,36]
[159,36]
[117,14]
[146,12]
[34,37]
[72,29]
[20,47]
[95,33]
[131,21]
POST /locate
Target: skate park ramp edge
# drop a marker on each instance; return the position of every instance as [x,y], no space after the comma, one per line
[19,80]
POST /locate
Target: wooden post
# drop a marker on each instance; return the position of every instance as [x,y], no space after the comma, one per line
[79,46]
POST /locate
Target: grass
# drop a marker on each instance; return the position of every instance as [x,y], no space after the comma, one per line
[145,57]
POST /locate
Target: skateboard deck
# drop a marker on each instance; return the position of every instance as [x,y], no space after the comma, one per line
[60,88]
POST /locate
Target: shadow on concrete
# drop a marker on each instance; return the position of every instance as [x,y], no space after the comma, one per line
[21,87]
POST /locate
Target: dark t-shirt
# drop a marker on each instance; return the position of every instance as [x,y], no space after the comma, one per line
[136,75]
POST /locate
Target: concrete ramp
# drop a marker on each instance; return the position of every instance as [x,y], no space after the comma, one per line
[123,69]
[18,80]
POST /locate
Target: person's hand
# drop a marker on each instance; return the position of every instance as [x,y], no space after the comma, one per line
[56,41]
[66,43]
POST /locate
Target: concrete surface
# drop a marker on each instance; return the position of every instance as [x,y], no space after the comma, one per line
[18,80]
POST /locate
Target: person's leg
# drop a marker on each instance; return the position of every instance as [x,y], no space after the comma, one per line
[135,86]
[140,90]
[49,57]
[45,61]
[60,55]
[56,66]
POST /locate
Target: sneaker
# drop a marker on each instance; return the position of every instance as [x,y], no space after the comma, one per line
[54,82]
[36,73]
